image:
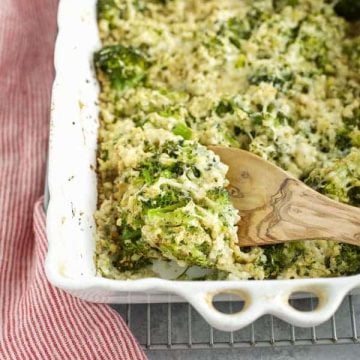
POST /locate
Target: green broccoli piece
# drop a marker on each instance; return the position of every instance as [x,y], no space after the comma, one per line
[182,130]
[340,180]
[279,5]
[348,261]
[124,67]
[352,51]
[164,2]
[238,29]
[349,136]
[107,9]
[277,81]
[343,140]
[348,9]
[152,169]
[181,160]
[169,200]
[280,257]
[181,231]
[219,195]
[178,235]
[149,170]
[110,10]
[354,196]
[225,107]
[316,50]
[134,251]
[353,122]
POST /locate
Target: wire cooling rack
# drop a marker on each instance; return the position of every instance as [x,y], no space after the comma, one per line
[178,326]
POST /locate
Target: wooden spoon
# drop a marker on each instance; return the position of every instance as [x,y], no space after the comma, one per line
[276,208]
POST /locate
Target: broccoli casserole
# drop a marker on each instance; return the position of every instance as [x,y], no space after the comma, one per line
[277,78]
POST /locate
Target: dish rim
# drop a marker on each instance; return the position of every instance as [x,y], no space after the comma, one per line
[74,46]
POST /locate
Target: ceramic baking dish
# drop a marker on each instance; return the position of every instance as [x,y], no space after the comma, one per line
[72,187]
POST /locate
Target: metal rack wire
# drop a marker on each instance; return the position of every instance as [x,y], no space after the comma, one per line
[178,326]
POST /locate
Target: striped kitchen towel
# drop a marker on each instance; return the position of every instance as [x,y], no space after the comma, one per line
[37,321]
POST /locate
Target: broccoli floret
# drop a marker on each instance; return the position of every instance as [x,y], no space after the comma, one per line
[225,107]
[349,136]
[163,2]
[183,130]
[131,239]
[339,259]
[277,81]
[124,67]
[150,170]
[348,261]
[183,232]
[279,5]
[179,235]
[354,196]
[110,10]
[343,140]
[353,123]
[340,180]
[170,199]
[220,195]
[352,51]
[107,9]
[316,50]
[238,29]
[348,9]
[153,168]
[134,251]
[280,257]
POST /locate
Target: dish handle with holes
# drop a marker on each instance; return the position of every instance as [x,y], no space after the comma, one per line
[264,300]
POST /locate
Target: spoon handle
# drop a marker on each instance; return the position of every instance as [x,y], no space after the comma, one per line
[296,212]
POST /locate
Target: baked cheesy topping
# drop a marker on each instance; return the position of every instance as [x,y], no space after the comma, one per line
[279,78]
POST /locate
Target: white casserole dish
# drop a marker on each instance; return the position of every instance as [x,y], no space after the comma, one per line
[72,186]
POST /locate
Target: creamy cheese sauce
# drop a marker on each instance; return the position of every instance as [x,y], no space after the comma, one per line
[277,78]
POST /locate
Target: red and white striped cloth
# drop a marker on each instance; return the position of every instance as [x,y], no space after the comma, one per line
[37,321]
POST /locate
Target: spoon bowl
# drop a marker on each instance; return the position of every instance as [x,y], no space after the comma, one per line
[275,207]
